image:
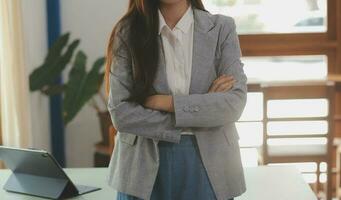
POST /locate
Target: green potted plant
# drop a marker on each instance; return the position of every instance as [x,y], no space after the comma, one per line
[81,87]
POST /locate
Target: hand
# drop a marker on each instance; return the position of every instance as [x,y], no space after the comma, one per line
[222,84]
[160,102]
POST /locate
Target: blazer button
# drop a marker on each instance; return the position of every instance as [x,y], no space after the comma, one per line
[186,108]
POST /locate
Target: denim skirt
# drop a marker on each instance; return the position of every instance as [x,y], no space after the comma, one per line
[181,174]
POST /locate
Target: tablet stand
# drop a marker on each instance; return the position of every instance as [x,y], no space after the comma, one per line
[53,188]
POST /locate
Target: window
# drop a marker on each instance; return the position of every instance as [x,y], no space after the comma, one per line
[285,68]
[297,108]
[269,16]
[306,127]
[250,129]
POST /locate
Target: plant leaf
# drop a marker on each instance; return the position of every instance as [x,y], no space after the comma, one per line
[76,76]
[81,87]
[47,73]
[57,47]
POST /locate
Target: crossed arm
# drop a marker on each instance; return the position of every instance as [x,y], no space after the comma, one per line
[213,109]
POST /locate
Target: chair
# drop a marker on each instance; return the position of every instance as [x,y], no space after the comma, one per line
[304,152]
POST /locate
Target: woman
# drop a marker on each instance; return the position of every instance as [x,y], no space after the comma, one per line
[176,87]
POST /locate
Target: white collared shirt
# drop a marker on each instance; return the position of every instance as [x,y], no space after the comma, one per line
[178,47]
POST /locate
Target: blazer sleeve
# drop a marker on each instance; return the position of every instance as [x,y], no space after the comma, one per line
[217,108]
[132,117]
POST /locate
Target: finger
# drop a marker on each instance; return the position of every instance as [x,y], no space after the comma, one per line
[224,79]
[224,76]
[221,81]
[221,78]
[224,86]
[227,89]
[230,86]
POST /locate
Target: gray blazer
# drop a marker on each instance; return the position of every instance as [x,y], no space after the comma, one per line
[210,116]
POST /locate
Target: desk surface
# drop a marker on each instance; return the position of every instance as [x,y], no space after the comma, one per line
[263,183]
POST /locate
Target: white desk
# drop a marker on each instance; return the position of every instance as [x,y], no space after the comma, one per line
[263,183]
[276,183]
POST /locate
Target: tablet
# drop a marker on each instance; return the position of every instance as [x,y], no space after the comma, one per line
[36,172]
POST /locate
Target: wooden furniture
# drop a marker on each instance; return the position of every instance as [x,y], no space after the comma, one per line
[103,152]
[285,183]
[337,140]
[337,143]
[316,153]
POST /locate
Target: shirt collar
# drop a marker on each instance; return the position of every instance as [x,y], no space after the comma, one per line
[183,24]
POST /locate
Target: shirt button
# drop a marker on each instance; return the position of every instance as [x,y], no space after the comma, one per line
[196,108]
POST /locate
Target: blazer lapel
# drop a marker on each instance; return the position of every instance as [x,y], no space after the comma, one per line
[201,41]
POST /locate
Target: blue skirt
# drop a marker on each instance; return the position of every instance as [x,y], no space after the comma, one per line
[181,173]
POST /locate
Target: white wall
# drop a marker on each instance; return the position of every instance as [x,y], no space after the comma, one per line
[92,22]
[35,36]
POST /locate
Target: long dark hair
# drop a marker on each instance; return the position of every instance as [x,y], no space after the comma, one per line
[143,22]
